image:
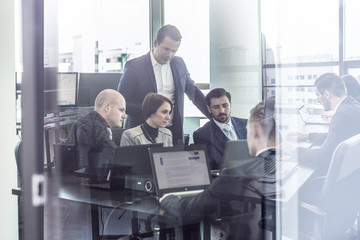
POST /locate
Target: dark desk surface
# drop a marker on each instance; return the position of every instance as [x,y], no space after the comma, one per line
[71,188]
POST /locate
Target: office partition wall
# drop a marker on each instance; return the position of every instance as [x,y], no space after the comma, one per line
[32,121]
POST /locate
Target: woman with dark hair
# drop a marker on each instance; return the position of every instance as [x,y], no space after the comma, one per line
[352,86]
[156,110]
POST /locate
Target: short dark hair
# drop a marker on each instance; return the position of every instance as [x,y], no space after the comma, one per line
[263,114]
[352,85]
[170,31]
[152,102]
[217,93]
[332,83]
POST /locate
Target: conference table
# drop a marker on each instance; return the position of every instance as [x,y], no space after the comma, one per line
[142,205]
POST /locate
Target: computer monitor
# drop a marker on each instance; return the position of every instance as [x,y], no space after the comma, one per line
[91,84]
[50,90]
[67,86]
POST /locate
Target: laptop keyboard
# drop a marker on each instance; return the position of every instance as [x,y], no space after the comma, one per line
[267,170]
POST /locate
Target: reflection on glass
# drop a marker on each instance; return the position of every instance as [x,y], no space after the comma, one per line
[100,36]
[352,29]
[291,84]
[297,34]
[194,28]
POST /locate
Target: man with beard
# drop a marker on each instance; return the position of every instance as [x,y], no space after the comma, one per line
[221,127]
[331,94]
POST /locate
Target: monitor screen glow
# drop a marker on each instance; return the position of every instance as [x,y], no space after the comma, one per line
[67,89]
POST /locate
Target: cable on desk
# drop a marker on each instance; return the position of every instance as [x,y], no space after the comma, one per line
[136,200]
[110,214]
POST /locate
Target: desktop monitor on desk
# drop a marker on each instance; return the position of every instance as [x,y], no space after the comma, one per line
[67,89]
[50,90]
[91,84]
[60,90]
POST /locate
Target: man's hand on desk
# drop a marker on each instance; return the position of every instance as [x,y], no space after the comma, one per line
[296,137]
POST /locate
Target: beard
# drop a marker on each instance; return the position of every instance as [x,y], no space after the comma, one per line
[327,105]
[222,118]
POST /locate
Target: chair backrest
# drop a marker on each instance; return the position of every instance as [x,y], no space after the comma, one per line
[340,195]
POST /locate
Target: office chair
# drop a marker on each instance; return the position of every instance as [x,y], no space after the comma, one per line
[337,206]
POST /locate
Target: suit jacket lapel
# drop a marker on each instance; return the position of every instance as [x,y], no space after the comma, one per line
[237,130]
[150,71]
[177,83]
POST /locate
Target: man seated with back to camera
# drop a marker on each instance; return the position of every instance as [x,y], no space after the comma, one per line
[221,127]
[225,194]
[156,109]
[92,132]
[344,123]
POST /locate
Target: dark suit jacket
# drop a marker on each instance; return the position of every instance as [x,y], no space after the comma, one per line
[139,79]
[224,197]
[344,124]
[215,140]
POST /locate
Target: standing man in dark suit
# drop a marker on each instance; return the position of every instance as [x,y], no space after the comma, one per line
[160,71]
[221,127]
[331,94]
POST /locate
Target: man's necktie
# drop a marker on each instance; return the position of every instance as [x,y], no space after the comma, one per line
[230,132]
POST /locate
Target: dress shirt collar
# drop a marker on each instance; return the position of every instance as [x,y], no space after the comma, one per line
[222,125]
[153,60]
[263,150]
[154,63]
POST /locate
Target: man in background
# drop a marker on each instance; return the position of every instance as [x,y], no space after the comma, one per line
[331,94]
[92,132]
[160,71]
[221,127]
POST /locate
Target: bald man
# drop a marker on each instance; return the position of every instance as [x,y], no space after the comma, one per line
[93,131]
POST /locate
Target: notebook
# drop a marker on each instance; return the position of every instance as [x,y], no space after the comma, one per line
[182,170]
[307,117]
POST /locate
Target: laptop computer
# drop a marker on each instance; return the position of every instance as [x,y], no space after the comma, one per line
[270,169]
[235,153]
[136,157]
[307,117]
[131,168]
[182,170]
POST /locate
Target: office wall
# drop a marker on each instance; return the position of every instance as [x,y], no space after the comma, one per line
[8,174]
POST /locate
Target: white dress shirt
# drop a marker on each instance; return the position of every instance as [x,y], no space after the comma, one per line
[164,82]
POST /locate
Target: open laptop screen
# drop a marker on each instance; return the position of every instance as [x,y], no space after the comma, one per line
[178,169]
